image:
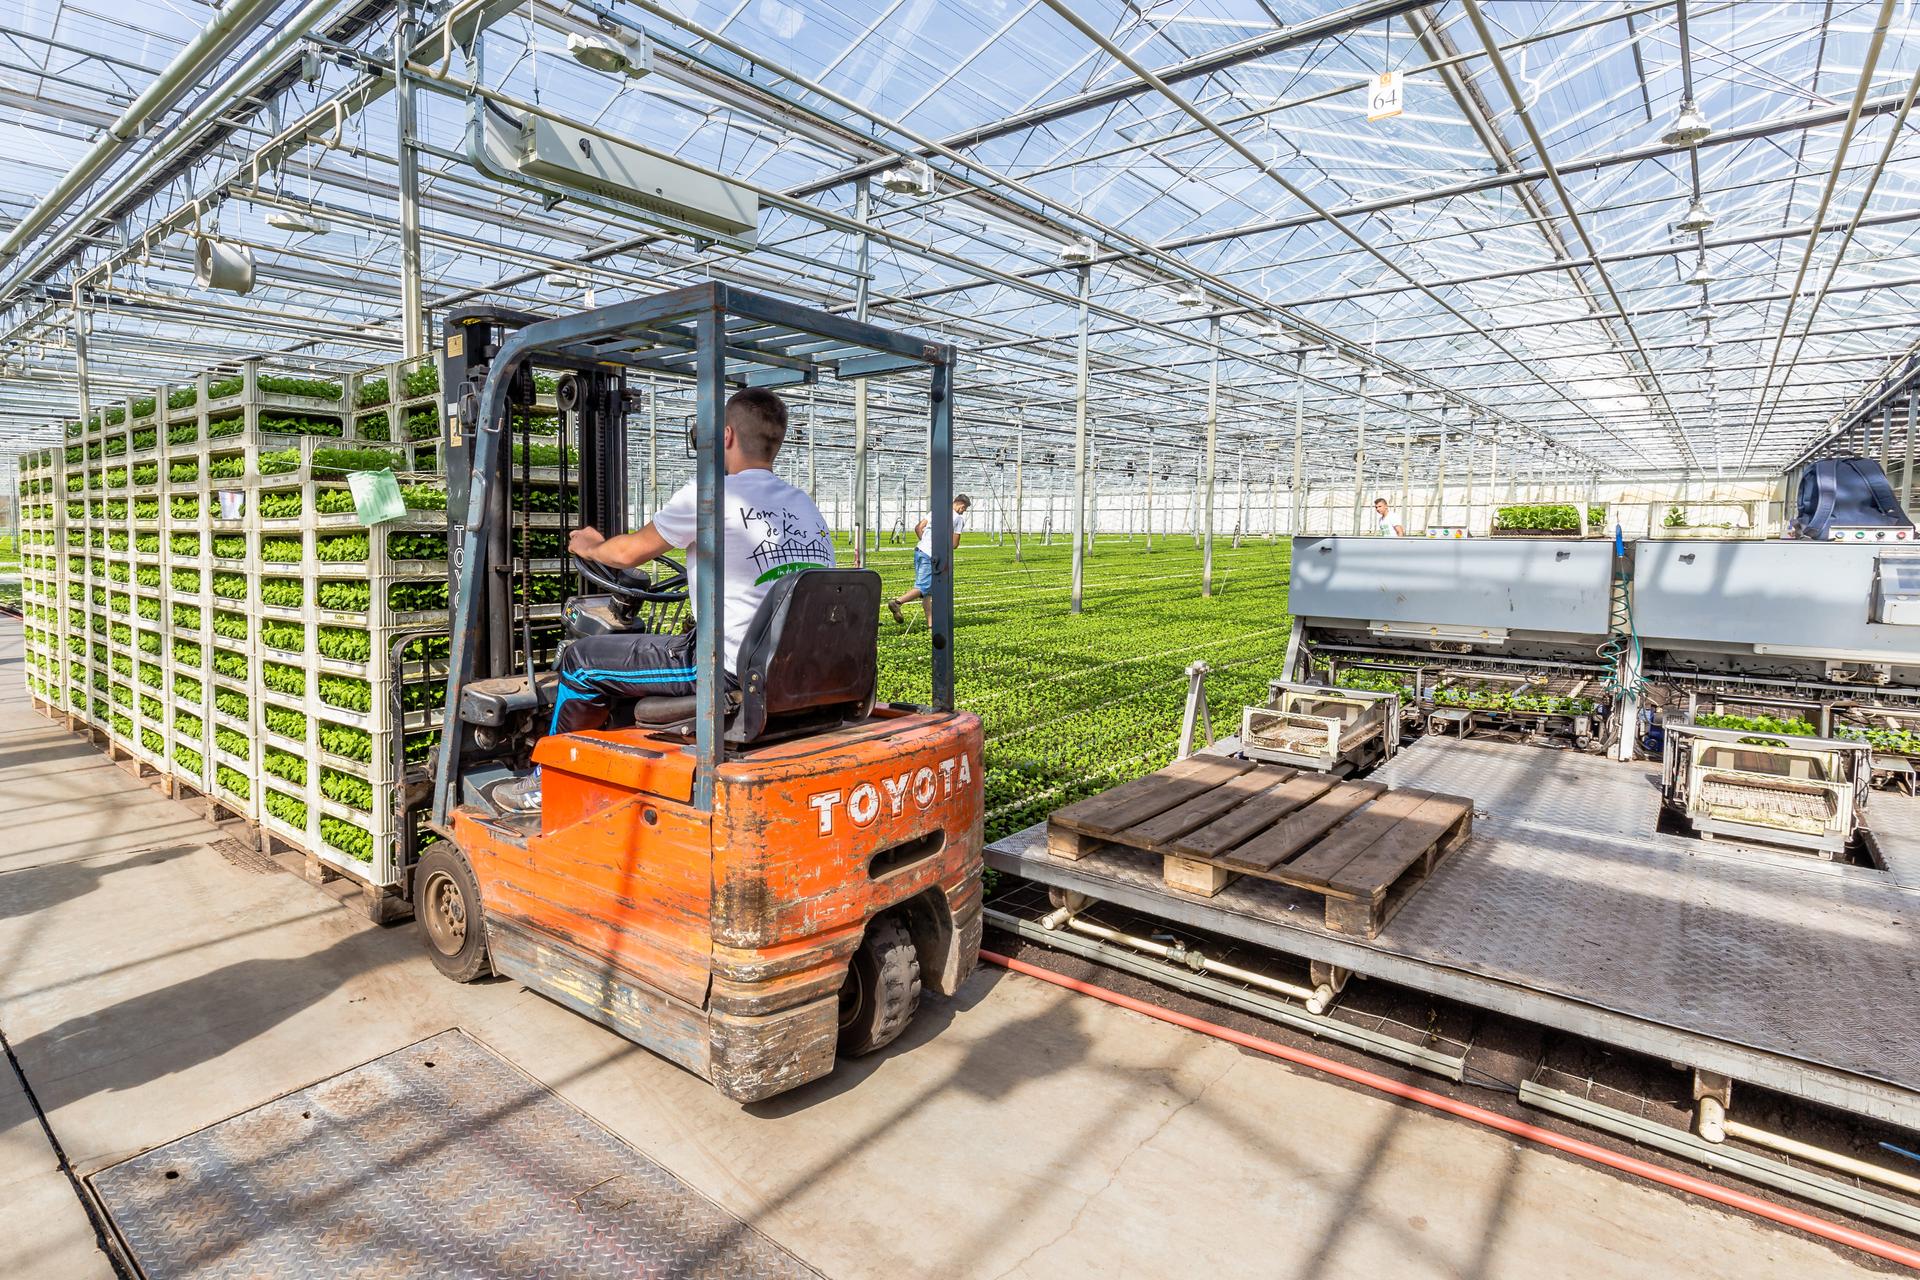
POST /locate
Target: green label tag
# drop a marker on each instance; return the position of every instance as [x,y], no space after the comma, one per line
[376,496]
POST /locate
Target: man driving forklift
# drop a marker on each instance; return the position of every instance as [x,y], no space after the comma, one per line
[774,529]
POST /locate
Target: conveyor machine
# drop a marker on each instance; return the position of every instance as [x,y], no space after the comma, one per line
[1776,680]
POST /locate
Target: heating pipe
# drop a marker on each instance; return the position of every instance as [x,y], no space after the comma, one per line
[1783,1214]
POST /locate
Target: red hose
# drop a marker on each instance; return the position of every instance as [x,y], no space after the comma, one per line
[1780,1213]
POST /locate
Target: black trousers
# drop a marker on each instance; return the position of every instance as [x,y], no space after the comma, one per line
[624,664]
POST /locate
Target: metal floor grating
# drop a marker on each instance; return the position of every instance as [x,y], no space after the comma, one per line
[440,1159]
[1566,890]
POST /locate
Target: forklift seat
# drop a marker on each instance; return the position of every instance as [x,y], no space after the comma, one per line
[810,659]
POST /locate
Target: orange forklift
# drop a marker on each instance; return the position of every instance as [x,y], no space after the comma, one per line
[745,882]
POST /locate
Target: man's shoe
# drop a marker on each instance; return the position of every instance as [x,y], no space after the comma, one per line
[522,795]
[893,607]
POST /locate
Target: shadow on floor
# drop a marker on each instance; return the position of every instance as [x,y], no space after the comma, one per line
[37,888]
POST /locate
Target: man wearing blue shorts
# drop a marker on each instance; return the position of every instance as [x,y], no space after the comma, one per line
[923,556]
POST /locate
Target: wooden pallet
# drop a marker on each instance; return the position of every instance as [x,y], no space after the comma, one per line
[1362,847]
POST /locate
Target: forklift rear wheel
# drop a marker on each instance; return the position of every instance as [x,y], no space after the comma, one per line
[882,989]
[446,902]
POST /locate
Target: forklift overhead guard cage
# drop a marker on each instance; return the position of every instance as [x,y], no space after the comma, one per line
[715,334]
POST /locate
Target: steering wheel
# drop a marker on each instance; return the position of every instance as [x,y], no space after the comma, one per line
[636,586]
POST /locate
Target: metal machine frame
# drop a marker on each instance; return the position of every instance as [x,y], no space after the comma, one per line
[1795,767]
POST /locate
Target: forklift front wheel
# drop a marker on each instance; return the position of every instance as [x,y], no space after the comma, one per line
[446,902]
[882,989]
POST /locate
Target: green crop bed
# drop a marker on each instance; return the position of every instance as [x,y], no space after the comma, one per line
[1074,705]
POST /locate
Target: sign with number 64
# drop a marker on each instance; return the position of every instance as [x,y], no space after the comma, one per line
[1386,96]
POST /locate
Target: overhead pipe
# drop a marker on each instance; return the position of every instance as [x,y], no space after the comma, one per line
[1877,1246]
[1841,147]
[217,39]
[178,135]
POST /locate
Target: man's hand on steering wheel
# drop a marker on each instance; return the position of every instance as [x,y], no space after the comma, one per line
[585,541]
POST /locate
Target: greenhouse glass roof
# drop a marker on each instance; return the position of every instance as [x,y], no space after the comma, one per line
[1533,250]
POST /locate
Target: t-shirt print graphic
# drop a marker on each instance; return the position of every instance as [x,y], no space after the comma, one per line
[787,543]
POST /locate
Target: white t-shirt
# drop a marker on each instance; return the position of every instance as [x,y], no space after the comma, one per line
[1387,521]
[925,545]
[768,529]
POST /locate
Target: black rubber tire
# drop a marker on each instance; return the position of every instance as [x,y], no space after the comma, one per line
[446,907]
[882,989]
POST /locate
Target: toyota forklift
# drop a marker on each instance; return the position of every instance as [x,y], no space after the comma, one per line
[747,881]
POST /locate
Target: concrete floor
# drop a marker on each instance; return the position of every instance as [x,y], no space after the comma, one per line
[149,987]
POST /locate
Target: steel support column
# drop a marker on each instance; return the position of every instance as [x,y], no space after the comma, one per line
[710,479]
[1299,439]
[1080,447]
[1213,430]
[862,208]
[1360,457]
[413,320]
[1913,419]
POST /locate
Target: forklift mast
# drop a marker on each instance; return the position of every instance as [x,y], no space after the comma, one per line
[591,403]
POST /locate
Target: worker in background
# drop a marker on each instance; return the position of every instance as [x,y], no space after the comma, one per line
[923,556]
[1390,526]
[769,529]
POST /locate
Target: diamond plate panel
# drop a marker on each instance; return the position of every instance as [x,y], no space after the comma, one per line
[1567,889]
[441,1159]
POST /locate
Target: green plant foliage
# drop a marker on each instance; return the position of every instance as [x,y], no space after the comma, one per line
[230,546]
[349,839]
[1904,742]
[227,424]
[422,380]
[184,472]
[227,466]
[302,424]
[285,721]
[148,544]
[231,741]
[286,808]
[276,462]
[282,550]
[189,724]
[152,708]
[344,788]
[1676,518]
[150,640]
[284,765]
[150,674]
[187,580]
[417,546]
[1506,699]
[230,586]
[288,637]
[410,597]
[344,596]
[341,548]
[229,779]
[349,693]
[186,617]
[1557,516]
[344,644]
[187,689]
[230,702]
[333,501]
[186,653]
[423,424]
[347,741]
[373,426]
[183,433]
[374,391]
[283,593]
[347,460]
[316,388]
[1757,724]
[233,626]
[281,678]
[231,665]
[281,504]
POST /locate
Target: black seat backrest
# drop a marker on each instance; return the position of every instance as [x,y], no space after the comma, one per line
[811,654]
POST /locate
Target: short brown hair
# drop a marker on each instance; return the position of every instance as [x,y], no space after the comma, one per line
[759,421]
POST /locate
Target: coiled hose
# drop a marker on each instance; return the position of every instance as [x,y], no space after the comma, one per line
[1622,639]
